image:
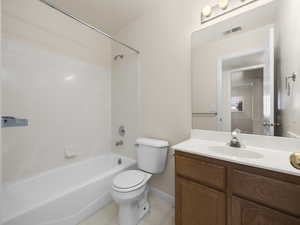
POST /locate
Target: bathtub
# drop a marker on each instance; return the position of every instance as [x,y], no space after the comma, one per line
[63,196]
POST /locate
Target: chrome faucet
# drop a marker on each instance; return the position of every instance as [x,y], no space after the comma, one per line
[235,141]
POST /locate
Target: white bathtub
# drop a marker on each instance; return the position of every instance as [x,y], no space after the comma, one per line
[63,196]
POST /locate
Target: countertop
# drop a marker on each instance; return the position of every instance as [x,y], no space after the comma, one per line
[265,158]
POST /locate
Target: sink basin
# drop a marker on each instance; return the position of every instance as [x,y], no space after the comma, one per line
[235,152]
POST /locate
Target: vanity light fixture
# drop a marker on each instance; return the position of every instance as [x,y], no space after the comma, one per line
[223,4]
[222,7]
[206,11]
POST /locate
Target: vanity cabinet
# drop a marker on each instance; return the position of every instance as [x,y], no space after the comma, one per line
[216,192]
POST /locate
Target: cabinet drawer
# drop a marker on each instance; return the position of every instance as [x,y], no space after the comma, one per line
[203,172]
[277,194]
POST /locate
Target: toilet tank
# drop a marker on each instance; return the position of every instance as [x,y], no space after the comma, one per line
[152,155]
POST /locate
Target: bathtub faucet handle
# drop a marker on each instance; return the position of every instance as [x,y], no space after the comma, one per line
[119,143]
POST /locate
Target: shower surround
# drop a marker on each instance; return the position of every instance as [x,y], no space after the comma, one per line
[57,75]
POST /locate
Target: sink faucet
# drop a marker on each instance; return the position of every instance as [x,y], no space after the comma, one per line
[235,141]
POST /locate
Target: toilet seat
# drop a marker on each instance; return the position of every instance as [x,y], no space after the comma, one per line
[130,180]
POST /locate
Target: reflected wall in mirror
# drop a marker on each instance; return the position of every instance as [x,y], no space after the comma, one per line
[244,72]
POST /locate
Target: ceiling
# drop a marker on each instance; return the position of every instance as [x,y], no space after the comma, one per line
[108,15]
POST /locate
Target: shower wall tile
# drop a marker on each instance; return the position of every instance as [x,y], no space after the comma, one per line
[125,97]
[56,75]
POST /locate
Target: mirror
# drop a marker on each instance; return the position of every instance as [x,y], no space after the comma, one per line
[244,72]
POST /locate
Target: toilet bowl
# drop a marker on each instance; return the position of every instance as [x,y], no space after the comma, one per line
[130,192]
[130,188]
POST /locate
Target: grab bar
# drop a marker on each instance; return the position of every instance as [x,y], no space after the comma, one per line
[10,121]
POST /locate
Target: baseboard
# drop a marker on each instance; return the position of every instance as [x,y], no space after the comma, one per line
[162,195]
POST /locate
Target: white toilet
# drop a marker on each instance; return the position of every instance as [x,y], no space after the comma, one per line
[130,189]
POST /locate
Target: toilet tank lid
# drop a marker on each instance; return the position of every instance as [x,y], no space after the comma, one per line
[152,142]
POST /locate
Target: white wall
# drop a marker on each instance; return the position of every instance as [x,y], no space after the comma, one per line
[57,75]
[164,38]
[0,109]
[0,90]
[289,53]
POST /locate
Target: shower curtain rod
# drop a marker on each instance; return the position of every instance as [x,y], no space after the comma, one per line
[88,25]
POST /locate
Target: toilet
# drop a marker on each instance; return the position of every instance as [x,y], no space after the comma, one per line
[130,188]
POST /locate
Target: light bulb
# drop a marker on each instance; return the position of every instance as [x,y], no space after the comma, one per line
[206,11]
[223,4]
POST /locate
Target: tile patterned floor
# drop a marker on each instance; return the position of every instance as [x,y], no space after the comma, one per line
[161,213]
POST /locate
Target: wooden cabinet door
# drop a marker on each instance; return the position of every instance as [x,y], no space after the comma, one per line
[248,213]
[198,205]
